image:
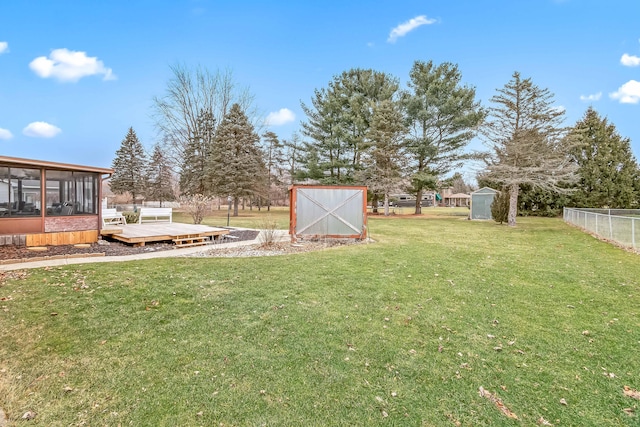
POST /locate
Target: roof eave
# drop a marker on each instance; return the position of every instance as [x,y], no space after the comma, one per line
[53,165]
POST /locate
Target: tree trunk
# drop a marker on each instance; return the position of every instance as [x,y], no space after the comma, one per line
[235,206]
[513,204]
[386,204]
[419,202]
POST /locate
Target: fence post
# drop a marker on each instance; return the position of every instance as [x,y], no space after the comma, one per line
[610,228]
[633,232]
[585,221]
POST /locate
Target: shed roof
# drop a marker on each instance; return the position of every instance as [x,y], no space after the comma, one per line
[10,161]
[485,190]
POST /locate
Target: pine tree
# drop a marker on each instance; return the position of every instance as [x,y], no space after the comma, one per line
[236,166]
[608,171]
[527,141]
[442,115]
[339,119]
[383,162]
[324,129]
[160,178]
[193,171]
[500,207]
[129,168]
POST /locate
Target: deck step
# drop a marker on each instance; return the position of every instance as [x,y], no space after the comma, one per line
[190,240]
[185,245]
[182,239]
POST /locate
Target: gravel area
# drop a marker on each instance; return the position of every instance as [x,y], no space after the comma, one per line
[279,248]
[108,247]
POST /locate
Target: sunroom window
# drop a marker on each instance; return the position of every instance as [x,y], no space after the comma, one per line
[20,191]
[71,193]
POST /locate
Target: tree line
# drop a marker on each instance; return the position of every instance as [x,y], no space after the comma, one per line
[364,129]
[209,146]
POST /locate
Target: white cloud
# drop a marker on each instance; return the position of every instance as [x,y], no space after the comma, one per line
[41,130]
[4,47]
[5,134]
[628,93]
[592,97]
[630,60]
[413,23]
[280,117]
[69,66]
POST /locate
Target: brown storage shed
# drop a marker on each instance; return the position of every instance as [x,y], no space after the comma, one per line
[328,211]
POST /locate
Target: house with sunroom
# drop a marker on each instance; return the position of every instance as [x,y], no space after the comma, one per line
[49,203]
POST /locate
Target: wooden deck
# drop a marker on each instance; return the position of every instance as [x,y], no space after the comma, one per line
[181,234]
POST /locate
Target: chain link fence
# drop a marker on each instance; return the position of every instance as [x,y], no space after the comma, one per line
[618,225]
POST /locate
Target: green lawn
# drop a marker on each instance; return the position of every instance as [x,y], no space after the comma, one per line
[403,331]
[246,218]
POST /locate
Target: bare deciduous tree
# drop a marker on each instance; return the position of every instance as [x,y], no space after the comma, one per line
[189,92]
[197,205]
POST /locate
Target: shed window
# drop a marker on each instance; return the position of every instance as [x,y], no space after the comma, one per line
[19,192]
[71,193]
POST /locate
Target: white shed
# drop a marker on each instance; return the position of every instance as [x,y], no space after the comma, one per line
[481,201]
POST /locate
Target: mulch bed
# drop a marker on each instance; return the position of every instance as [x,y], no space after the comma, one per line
[106,247]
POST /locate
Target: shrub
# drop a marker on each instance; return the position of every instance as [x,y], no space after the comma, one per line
[268,228]
[500,206]
[131,217]
[196,205]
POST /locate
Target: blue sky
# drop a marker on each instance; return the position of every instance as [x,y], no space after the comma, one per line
[75,75]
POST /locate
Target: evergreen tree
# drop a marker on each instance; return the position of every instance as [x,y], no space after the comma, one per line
[237,167]
[193,171]
[160,178]
[442,116]
[382,164]
[528,144]
[339,120]
[129,168]
[608,171]
[323,127]
[535,201]
[309,168]
[500,207]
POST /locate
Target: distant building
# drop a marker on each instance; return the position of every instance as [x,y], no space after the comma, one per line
[409,200]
